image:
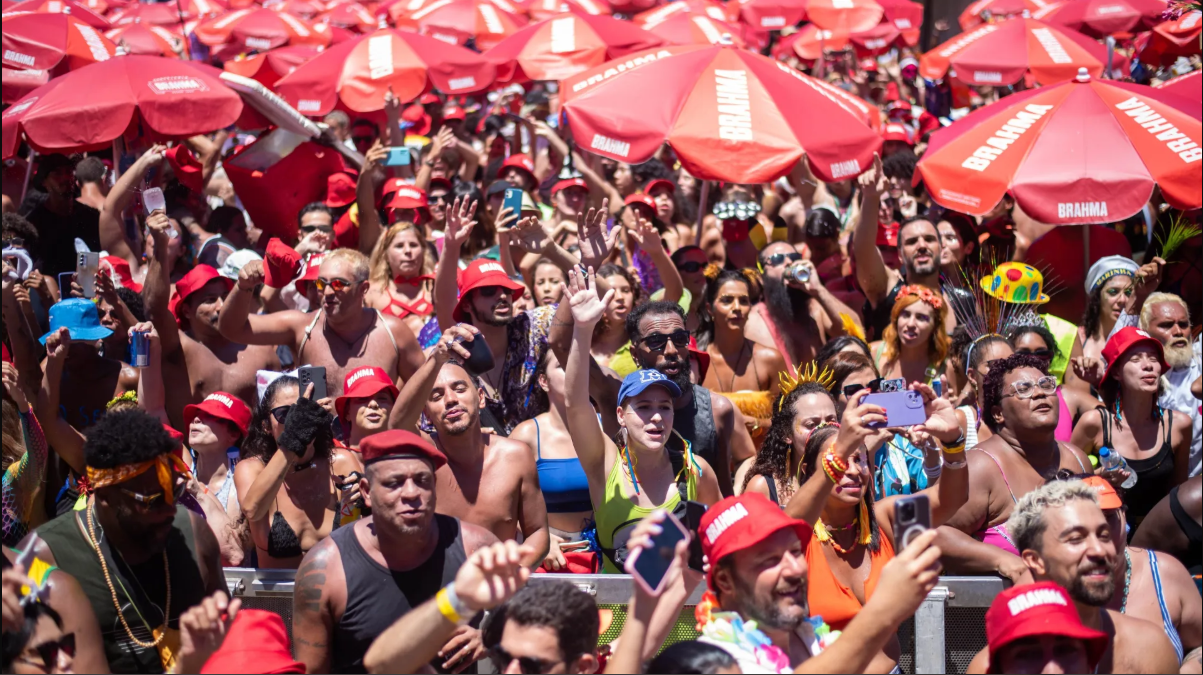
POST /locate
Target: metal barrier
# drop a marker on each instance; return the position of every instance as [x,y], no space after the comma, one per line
[946,633]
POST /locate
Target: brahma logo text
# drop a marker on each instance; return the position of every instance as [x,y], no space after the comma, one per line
[359,375]
[1004,137]
[1052,45]
[563,35]
[380,56]
[734,108]
[772,22]
[1081,209]
[847,168]
[222,399]
[966,40]
[617,68]
[725,520]
[458,83]
[177,84]
[611,146]
[18,58]
[1162,129]
[1036,598]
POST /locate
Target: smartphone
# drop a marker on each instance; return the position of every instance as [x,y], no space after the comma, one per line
[397,157]
[912,517]
[903,408]
[64,284]
[938,387]
[480,357]
[513,200]
[693,519]
[86,265]
[316,375]
[649,566]
[152,200]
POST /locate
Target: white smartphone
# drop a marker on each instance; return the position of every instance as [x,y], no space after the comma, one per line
[86,265]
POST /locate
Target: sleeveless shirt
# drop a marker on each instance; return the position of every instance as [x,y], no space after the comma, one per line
[695,423]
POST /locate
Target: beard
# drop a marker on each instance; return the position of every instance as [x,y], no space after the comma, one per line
[923,270]
[1095,595]
[768,611]
[461,427]
[1178,357]
[786,305]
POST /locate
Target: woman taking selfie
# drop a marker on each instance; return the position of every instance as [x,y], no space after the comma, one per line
[636,475]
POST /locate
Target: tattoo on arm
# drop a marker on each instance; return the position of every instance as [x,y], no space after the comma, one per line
[311,580]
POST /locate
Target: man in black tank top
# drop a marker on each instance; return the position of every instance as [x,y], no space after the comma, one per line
[355,584]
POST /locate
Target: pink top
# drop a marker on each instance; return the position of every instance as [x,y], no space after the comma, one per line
[1065,420]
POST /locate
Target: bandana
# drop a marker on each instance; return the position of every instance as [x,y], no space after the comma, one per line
[163,466]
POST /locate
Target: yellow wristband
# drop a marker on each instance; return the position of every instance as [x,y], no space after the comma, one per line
[955,449]
[443,600]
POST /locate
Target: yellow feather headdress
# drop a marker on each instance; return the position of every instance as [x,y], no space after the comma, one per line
[811,373]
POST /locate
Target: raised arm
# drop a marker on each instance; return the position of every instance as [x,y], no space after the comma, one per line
[238,324]
[112,228]
[66,440]
[152,396]
[648,238]
[156,292]
[461,218]
[583,425]
[26,350]
[365,197]
[442,140]
[871,271]
[413,396]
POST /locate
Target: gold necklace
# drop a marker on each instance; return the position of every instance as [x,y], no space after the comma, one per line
[113,591]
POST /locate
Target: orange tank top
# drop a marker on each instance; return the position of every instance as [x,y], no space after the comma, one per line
[827,596]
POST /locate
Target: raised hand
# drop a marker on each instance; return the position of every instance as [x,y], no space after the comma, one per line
[1089,369]
[854,426]
[461,218]
[57,344]
[873,182]
[443,140]
[641,538]
[492,575]
[941,416]
[595,243]
[647,236]
[152,157]
[530,235]
[160,227]
[373,161]
[202,630]
[505,220]
[451,343]
[251,275]
[12,386]
[392,105]
[909,577]
[587,308]
[317,241]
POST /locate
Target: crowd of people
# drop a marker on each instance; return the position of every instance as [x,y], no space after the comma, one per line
[427,397]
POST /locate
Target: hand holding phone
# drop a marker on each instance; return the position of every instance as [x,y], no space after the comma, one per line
[153,200]
[397,156]
[315,375]
[653,551]
[513,200]
[903,408]
[86,265]
[912,517]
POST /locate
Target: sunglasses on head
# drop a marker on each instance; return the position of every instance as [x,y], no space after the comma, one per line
[50,650]
[656,342]
[149,500]
[781,259]
[527,664]
[339,285]
[691,266]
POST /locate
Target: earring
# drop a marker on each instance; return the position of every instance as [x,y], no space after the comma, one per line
[1118,415]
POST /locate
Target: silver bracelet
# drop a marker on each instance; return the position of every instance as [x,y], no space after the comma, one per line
[959,464]
[933,472]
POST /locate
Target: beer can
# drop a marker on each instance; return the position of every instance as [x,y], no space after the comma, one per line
[139,349]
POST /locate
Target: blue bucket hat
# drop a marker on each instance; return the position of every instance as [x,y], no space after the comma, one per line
[635,383]
[80,317]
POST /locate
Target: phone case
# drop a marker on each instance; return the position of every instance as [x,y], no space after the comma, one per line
[693,520]
[903,408]
[910,522]
[397,157]
[316,375]
[513,200]
[631,568]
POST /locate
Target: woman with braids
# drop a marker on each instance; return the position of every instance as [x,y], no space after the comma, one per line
[1110,284]
[973,355]
[776,472]
[284,479]
[914,346]
[1072,403]
[742,370]
[402,275]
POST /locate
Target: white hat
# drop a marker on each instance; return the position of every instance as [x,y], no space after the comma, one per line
[235,261]
[1105,268]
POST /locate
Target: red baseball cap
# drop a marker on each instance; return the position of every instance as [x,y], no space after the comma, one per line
[1108,497]
[519,161]
[398,444]
[1033,610]
[641,198]
[419,121]
[408,196]
[363,382]
[454,113]
[482,273]
[224,406]
[570,183]
[441,182]
[738,523]
[256,642]
[887,234]
[119,272]
[193,281]
[659,183]
[1125,339]
[312,268]
[340,190]
[187,168]
[896,132]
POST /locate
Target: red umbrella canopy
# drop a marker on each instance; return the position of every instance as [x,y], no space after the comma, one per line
[1002,53]
[989,11]
[47,41]
[850,16]
[1084,151]
[1172,39]
[1100,18]
[729,114]
[305,9]
[696,29]
[357,73]
[170,100]
[268,67]
[767,15]
[149,40]
[260,29]
[78,10]
[545,9]
[565,45]
[167,13]
[350,15]
[906,16]
[18,83]
[652,17]
[1189,86]
[810,41]
[457,21]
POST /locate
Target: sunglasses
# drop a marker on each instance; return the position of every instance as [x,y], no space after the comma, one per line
[656,342]
[149,500]
[1025,389]
[281,413]
[440,199]
[488,291]
[1042,353]
[781,259]
[527,664]
[362,140]
[307,229]
[691,267]
[339,285]
[50,651]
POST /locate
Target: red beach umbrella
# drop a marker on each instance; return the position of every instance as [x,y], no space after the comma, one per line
[565,45]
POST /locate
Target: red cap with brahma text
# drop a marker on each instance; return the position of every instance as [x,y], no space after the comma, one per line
[738,523]
[399,444]
[221,405]
[1036,610]
[518,161]
[363,382]
[482,273]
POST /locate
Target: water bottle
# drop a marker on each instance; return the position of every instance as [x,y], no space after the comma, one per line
[1112,461]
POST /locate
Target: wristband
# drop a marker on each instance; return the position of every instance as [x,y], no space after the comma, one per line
[451,607]
[957,446]
[954,466]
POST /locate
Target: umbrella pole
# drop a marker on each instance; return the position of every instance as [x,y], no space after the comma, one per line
[1110,56]
[704,196]
[28,172]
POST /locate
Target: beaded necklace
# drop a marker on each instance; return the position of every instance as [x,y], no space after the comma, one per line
[104,567]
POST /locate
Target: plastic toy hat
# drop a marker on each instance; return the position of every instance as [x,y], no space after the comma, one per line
[1015,283]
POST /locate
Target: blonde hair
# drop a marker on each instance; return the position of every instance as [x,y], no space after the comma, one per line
[357,261]
[1146,312]
[937,349]
[381,274]
[1026,524]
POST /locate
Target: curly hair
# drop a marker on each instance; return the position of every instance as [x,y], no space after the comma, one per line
[126,437]
[810,464]
[705,331]
[967,351]
[937,347]
[260,442]
[133,301]
[380,274]
[654,308]
[568,611]
[992,385]
[772,461]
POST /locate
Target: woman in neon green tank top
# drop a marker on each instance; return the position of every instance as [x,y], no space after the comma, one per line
[631,478]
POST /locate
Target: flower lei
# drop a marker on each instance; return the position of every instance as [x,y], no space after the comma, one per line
[730,628]
[923,293]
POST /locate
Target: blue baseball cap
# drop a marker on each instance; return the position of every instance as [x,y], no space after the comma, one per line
[636,382]
[80,317]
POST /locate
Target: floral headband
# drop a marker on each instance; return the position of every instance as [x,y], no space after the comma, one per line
[923,293]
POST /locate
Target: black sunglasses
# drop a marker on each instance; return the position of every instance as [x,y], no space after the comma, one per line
[362,140]
[851,389]
[781,258]
[49,651]
[527,664]
[1041,353]
[691,267]
[281,413]
[306,229]
[656,342]
[488,291]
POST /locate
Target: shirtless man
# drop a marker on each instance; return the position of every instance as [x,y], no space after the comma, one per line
[794,318]
[1021,456]
[193,349]
[343,334]
[355,583]
[1064,538]
[489,480]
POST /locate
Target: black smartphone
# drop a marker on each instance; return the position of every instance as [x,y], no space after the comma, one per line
[649,566]
[693,519]
[480,357]
[912,517]
[316,375]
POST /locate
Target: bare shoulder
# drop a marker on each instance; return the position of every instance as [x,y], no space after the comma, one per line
[758,483]
[768,356]
[476,537]
[526,432]
[510,451]
[1090,421]
[397,326]
[1140,646]
[721,405]
[1182,424]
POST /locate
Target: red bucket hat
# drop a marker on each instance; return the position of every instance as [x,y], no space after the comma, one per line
[408,197]
[119,272]
[188,170]
[1125,339]
[340,190]
[224,406]
[519,161]
[363,382]
[418,120]
[397,444]
[480,274]
[738,523]
[256,642]
[193,281]
[1032,610]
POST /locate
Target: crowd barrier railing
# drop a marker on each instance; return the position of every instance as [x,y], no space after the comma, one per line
[944,635]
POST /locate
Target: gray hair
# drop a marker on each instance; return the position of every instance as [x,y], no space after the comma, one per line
[1026,524]
[1146,312]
